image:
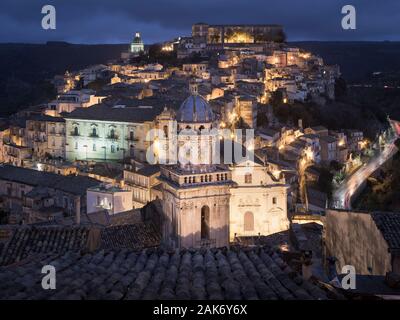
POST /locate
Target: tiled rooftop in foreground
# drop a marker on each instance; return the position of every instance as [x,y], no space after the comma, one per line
[215,274]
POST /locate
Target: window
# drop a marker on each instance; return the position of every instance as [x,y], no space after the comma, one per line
[76,145]
[131,136]
[94,147]
[112,133]
[205,223]
[247,178]
[76,131]
[94,132]
[274,200]
[248,221]
[112,149]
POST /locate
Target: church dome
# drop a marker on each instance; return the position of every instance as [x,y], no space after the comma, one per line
[195,109]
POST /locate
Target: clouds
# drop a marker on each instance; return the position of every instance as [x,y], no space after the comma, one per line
[104,21]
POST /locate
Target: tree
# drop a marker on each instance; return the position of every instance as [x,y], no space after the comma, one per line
[325,182]
[262,119]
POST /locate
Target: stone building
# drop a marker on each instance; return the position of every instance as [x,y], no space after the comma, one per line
[37,196]
[106,132]
[110,198]
[71,100]
[195,191]
[246,108]
[258,203]
[46,136]
[207,202]
[144,183]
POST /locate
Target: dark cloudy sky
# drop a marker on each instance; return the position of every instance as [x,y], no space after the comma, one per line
[114,21]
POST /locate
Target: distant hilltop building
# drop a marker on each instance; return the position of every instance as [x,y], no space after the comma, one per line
[249,37]
[135,49]
[137,45]
[238,33]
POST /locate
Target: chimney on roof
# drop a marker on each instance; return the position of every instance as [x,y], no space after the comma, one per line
[78,210]
[306,264]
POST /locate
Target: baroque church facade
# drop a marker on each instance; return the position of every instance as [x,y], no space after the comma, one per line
[207,203]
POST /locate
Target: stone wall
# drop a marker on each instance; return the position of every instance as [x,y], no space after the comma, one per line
[353,238]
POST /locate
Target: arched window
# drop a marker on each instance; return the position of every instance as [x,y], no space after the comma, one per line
[205,222]
[76,131]
[112,133]
[165,131]
[247,178]
[94,132]
[248,221]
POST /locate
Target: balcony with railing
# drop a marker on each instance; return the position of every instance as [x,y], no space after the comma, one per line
[113,137]
[133,139]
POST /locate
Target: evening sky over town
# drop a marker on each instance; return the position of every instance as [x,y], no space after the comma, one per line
[105,21]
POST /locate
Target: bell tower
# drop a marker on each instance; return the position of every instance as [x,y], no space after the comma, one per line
[196,195]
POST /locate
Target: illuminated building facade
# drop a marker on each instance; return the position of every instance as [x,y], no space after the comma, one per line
[207,204]
[110,198]
[137,45]
[105,133]
[196,193]
[258,203]
[237,34]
